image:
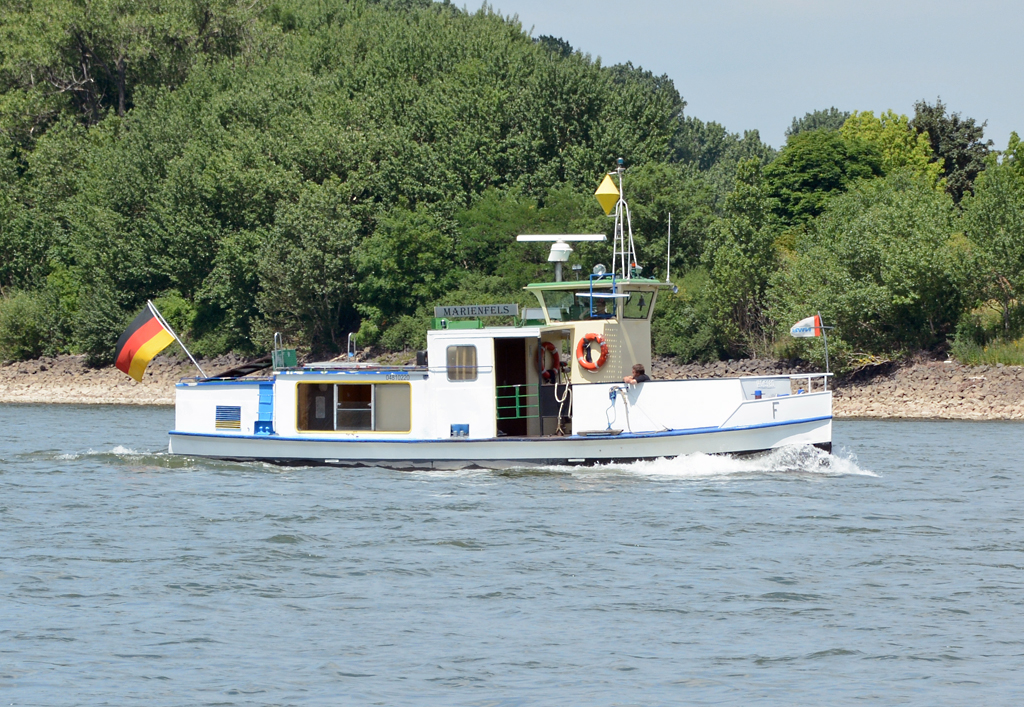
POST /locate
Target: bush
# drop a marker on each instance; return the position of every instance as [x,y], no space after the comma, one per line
[32,324]
[409,332]
[98,324]
[683,325]
[1010,353]
[22,326]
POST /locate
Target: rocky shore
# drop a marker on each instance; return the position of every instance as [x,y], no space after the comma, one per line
[918,389]
[66,379]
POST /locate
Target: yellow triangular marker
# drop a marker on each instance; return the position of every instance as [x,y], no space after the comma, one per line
[607,194]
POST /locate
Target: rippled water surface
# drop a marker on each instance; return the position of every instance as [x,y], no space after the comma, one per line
[892,575]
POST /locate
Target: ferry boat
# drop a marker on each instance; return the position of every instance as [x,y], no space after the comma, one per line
[550,389]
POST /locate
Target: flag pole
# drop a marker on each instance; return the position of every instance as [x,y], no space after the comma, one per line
[824,337]
[167,326]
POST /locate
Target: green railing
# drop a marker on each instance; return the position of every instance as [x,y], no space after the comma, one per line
[518,402]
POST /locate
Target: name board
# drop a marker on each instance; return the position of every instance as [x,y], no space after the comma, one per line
[477,310]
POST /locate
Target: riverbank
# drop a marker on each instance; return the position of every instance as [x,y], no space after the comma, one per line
[919,389]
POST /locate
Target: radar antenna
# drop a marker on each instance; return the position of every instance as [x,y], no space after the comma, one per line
[560,248]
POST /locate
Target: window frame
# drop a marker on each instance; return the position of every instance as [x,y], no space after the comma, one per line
[462,373]
[334,395]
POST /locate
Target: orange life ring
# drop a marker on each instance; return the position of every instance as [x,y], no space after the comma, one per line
[584,346]
[556,360]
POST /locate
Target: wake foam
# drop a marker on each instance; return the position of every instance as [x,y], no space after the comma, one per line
[796,460]
[118,451]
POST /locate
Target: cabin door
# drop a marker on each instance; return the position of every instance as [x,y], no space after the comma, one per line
[514,401]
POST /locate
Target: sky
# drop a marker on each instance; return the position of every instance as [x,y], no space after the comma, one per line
[755,64]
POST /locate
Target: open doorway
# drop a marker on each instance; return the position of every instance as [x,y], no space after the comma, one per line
[516,400]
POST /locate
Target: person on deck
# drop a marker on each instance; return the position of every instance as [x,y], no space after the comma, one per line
[638,375]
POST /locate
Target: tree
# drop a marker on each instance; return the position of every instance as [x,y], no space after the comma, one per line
[831,119]
[307,270]
[956,143]
[405,263]
[814,166]
[640,115]
[556,45]
[1014,154]
[899,146]
[654,191]
[885,264]
[742,257]
[994,220]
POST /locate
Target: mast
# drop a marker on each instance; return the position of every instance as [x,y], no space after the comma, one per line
[624,251]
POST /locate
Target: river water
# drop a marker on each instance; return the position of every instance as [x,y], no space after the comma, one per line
[893,574]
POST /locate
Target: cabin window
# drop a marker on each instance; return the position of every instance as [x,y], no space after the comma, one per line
[355,407]
[354,410]
[462,363]
[638,305]
[316,400]
[392,407]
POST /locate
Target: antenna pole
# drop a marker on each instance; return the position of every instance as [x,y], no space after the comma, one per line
[668,258]
[824,338]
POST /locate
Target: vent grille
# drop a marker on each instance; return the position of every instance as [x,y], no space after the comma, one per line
[229,417]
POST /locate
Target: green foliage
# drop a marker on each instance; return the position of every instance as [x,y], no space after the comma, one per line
[716,151]
[1014,155]
[99,321]
[307,270]
[90,57]
[177,311]
[741,261]
[557,45]
[227,308]
[1008,353]
[899,146]
[956,143]
[831,119]
[32,324]
[683,324]
[656,190]
[883,263]
[405,263]
[318,167]
[486,241]
[994,221]
[813,167]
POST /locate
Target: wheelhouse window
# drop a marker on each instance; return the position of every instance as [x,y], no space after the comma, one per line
[355,407]
[560,305]
[462,363]
[638,305]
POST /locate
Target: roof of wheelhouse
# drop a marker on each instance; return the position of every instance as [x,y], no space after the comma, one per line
[636,283]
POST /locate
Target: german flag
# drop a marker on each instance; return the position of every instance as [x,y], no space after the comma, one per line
[144,338]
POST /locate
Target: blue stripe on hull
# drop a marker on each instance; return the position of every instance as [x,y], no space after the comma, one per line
[457,440]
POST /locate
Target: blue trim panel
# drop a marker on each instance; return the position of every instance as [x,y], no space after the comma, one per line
[240,384]
[624,435]
[298,376]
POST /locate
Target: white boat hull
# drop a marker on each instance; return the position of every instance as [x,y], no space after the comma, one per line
[504,452]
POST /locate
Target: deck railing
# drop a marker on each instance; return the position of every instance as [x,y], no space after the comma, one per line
[518,402]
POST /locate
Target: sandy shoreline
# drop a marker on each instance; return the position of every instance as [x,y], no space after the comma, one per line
[921,389]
